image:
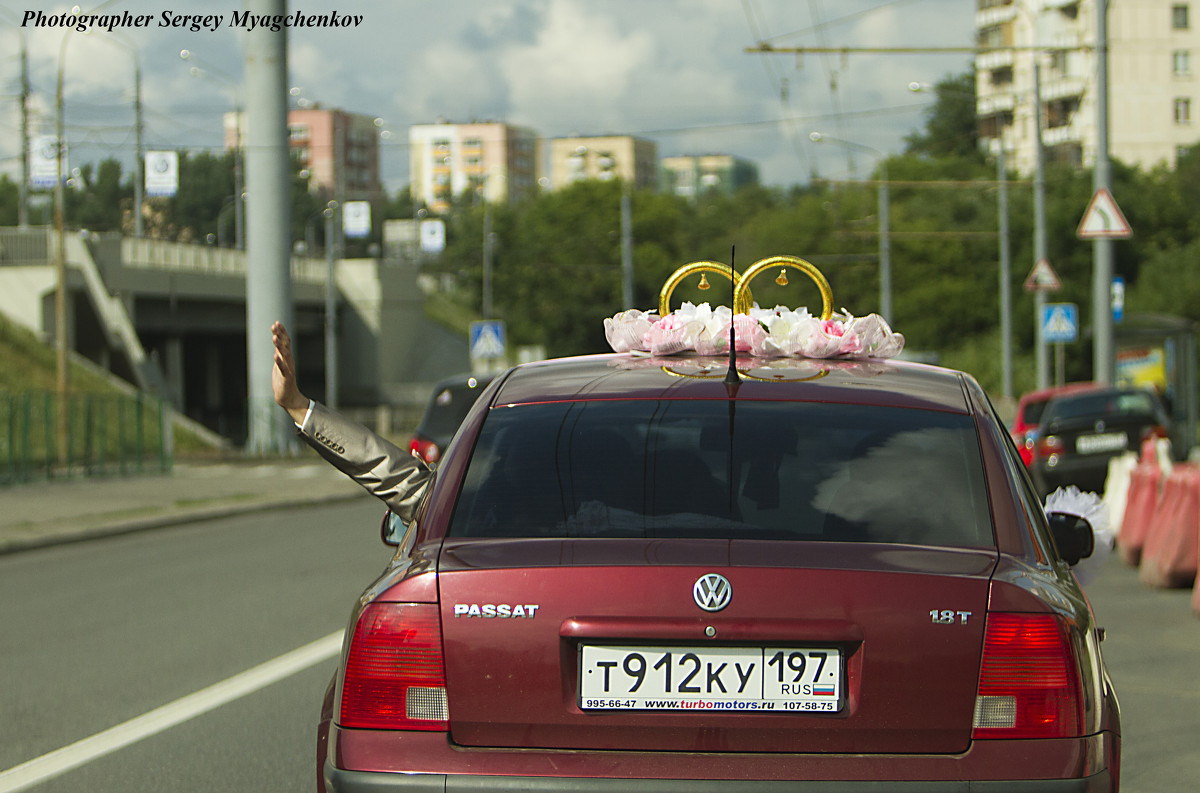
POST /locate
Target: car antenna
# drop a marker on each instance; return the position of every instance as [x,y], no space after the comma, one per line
[732,378]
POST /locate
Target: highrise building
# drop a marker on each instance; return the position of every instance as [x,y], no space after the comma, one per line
[690,176]
[496,160]
[1153,90]
[634,160]
[339,150]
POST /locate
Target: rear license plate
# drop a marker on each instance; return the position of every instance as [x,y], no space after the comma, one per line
[726,678]
[1105,442]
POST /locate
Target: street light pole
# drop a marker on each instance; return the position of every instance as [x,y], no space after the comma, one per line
[331,358]
[60,252]
[885,247]
[139,171]
[1040,244]
[60,259]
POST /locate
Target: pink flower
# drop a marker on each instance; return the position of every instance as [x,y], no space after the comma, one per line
[832,327]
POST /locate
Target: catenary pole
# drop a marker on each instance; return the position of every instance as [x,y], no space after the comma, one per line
[1103,360]
[268,247]
[1006,352]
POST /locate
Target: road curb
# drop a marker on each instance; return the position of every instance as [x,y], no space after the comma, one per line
[12,545]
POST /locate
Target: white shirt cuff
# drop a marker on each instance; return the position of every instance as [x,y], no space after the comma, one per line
[307,413]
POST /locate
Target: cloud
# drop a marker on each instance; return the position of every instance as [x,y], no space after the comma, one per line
[675,70]
[580,65]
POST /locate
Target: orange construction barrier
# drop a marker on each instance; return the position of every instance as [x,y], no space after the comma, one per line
[1169,554]
[1139,510]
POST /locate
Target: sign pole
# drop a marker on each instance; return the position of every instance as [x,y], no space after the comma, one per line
[1041,279]
[1041,357]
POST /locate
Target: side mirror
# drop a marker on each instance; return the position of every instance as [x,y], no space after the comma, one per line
[1073,535]
[392,530]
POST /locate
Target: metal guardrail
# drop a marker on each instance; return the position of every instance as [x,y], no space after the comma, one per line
[107,435]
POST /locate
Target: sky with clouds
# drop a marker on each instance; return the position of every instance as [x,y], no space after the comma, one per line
[674,71]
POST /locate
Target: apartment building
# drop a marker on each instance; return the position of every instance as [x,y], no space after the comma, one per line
[340,150]
[693,175]
[1047,48]
[632,159]
[498,161]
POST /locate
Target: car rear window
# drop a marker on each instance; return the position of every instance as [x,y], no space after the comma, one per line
[1135,403]
[712,469]
[1033,411]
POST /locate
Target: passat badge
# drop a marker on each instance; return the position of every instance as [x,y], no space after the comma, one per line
[712,592]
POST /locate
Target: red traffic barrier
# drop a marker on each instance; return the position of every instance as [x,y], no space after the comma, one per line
[1139,510]
[1169,554]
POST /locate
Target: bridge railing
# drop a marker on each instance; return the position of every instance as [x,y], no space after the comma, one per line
[207,259]
[107,434]
[29,246]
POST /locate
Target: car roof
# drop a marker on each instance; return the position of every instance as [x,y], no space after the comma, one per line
[1102,391]
[1044,394]
[624,376]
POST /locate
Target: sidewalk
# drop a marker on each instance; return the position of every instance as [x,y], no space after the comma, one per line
[39,514]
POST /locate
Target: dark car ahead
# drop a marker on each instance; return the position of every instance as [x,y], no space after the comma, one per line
[630,575]
[447,407]
[1081,432]
[1030,408]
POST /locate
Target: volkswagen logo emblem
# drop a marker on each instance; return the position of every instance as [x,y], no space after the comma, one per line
[712,592]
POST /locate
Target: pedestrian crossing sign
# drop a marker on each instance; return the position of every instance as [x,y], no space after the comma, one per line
[487,339]
[1060,322]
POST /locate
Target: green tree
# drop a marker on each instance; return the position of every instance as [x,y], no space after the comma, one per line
[950,126]
[99,201]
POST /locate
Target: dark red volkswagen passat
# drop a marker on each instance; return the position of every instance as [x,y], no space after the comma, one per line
[632,575]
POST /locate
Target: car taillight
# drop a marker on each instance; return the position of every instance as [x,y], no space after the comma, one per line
[395,678]
[1029,685]
[426,450]
[1048,446]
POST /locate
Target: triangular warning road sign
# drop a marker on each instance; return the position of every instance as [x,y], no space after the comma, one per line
[1103,219]
[1042,278]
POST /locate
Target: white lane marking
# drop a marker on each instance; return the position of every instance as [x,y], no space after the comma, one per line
[48,766]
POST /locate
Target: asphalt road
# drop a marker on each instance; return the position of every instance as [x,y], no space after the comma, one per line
[1152,649]
[96,634]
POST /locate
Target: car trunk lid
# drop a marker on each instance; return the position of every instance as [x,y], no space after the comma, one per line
[532,628]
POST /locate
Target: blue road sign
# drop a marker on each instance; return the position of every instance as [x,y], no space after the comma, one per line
[1118,298]
[1060,322]
[487,339]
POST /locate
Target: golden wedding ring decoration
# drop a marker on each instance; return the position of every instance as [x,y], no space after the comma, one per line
[743,299]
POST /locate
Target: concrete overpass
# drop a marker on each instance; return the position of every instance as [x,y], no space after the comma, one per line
[171,319]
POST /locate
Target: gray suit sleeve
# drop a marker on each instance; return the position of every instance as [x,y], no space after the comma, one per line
[382,468]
